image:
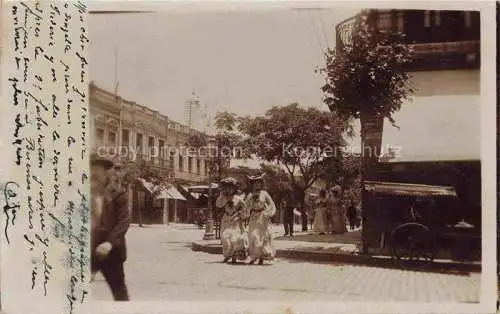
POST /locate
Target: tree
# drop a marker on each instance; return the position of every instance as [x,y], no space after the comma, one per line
[226,144]
[132,172]
[368,79]
[299,140]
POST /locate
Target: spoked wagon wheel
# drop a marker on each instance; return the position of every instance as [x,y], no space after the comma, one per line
[412,245]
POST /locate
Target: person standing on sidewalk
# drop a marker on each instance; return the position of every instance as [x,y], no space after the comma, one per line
[232,230]
[351,214]
[261,208]
[320,222]
[338,225]
[288,213]
[109,224]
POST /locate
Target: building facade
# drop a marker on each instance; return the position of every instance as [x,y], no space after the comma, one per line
[132,132]
[128,132]
[438,139]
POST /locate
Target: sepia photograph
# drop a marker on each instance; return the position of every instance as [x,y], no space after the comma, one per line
[277,154]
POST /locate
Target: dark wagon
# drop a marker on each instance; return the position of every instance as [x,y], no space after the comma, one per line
[419,223]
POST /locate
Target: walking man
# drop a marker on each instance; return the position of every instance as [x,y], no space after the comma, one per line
[110,222]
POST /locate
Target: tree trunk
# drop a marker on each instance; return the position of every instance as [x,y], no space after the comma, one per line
[303,210]
[371,144]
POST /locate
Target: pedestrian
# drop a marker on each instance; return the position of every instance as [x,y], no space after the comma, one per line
[351,214]
[260,208]
[234,244]
[109,224]
[321,206]
[338,225]
[288,213]
[358,215]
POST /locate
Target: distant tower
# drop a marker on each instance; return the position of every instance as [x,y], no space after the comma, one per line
[191,111]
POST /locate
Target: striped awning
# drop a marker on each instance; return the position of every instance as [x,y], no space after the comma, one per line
[169,192]
[405,189]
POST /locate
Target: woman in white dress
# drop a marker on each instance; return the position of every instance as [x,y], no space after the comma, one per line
[320,217]
[233,237]
[260,209]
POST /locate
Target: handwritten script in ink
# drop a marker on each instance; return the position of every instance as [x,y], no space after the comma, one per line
[46,212]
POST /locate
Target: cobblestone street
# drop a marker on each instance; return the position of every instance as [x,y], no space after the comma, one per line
[162,266]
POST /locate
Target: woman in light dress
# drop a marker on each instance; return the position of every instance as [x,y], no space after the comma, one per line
[338,225]
[260,209]
[320,224]
[233,237]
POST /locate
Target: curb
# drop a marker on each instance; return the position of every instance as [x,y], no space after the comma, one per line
[362,260]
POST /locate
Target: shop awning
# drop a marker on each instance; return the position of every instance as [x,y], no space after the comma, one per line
[404,189]
[201,189]
[169,192]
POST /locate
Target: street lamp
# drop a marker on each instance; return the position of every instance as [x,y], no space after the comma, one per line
[209,226]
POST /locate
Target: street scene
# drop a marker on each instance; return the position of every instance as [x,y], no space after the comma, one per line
[286,154]
[178,274]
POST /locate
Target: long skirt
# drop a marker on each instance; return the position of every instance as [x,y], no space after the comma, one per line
[319,224]
[234,239]
[260,238]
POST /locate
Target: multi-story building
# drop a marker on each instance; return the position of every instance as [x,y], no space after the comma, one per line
[127,131]
[438,140]
[133,132]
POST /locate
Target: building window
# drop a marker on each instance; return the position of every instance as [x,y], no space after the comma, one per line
[427,18]
[181,163]
[190,164]
[384,21]
[206,168]
[172,162]
[468,19]
[125,138]
[162,148]
[151,146]
[111,139]
[139,143]
[100,137]
[401,22]
[437,18]
[198,166]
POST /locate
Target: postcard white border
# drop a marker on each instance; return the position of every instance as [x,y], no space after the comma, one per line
[488,147]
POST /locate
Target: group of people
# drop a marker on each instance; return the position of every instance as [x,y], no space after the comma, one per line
[246,221]
[330,214]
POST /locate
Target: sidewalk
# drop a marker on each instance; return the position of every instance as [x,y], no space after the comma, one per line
[348,253]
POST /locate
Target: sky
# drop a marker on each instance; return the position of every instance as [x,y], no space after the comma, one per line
[243,61]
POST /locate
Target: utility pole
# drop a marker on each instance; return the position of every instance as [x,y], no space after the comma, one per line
[209,226]
[116,83]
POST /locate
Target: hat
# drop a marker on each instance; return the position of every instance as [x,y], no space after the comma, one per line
[229,181]
[119,166]
[259,177]
[98,160]
[336,188]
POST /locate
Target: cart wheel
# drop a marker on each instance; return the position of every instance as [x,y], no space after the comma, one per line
[412,245]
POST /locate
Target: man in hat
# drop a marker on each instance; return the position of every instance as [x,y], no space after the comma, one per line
[110,222]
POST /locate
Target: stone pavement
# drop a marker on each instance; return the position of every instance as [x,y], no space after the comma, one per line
[162,267]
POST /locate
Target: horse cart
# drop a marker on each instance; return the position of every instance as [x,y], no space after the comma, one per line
[420,223]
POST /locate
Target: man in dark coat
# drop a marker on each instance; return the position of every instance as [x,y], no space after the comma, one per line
[110,222]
